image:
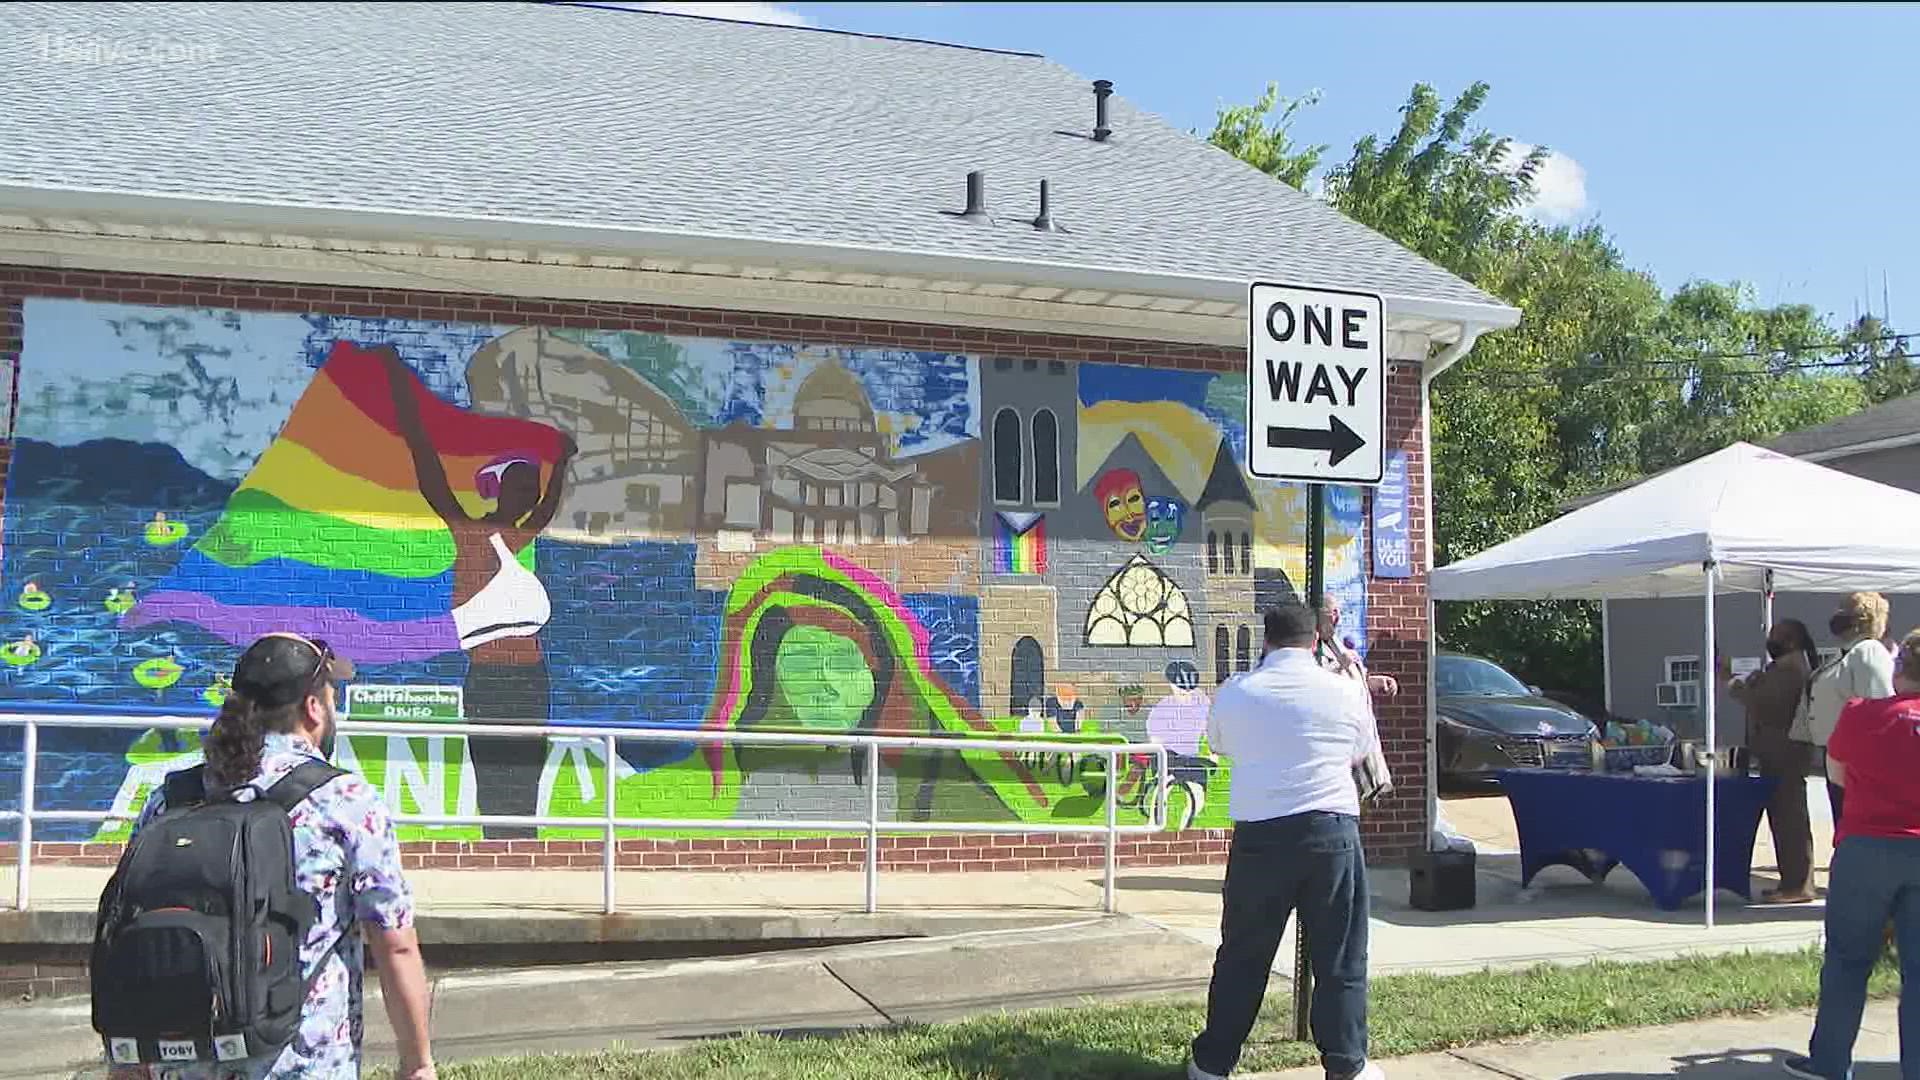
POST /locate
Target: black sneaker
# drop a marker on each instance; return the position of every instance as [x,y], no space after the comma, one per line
[1801,1067]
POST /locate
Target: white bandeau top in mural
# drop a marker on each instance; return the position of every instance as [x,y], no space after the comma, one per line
[512,604]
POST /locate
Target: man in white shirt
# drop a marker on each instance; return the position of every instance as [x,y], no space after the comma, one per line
[1294,732]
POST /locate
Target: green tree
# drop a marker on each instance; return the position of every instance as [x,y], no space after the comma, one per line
[1255,135]
[1887,369]
[1447,193]
[1525,419]
[1738,373]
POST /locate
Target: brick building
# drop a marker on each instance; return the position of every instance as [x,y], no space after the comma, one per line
[812,436]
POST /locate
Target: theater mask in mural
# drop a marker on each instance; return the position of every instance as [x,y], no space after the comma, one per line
[1124,502]
[526,516]
[1164,518]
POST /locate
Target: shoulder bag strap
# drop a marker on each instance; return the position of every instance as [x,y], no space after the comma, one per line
[188,787]
[306,778]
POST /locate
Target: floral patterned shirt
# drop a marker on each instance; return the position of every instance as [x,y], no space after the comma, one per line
[343,839]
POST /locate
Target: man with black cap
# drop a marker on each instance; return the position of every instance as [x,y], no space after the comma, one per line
[280,716]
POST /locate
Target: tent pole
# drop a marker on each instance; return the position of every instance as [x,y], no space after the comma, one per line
[1766,605]
[1707,695]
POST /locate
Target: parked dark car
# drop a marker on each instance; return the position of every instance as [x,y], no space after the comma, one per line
[1488,721]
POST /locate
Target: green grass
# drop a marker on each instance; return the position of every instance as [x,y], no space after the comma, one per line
[1147,1041]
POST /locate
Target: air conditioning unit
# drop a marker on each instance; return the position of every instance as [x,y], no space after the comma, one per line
[1677,695]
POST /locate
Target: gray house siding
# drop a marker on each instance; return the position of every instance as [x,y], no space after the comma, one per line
[1898,467]
[1641,634]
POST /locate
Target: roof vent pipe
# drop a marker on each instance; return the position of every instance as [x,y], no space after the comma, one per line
[1045,221]
[976,195]
[1102,90]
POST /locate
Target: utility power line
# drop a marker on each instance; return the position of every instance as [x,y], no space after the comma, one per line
[1673,369]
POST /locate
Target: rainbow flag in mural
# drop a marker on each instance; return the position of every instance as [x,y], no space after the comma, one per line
[1020,544]
[329,536]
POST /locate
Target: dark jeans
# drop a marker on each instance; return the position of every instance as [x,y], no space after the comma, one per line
[1310,863]
[1873,880]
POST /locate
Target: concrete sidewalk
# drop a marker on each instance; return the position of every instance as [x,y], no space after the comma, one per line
[975,943]
[1562,919]
[663,1004]
[1734,1048]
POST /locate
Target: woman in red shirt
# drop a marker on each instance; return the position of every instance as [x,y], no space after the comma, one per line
[1876,871]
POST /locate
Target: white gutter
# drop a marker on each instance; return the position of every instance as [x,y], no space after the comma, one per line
[496,230]
[1446,358]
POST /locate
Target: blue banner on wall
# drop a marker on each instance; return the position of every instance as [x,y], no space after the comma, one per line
[1392,551]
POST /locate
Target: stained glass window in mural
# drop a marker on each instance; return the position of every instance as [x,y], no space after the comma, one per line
[1140,606]
[1006,456]
[1046,458]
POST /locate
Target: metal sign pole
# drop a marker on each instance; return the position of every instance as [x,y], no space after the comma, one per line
[1316,594]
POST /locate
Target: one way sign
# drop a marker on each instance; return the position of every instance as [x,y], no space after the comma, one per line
[1316,371]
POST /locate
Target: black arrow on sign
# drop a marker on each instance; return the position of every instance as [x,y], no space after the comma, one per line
[1338,440]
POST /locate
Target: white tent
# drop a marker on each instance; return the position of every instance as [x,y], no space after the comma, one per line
[1742,520]
[1745,509]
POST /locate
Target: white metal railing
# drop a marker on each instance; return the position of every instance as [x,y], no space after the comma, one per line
[611,823]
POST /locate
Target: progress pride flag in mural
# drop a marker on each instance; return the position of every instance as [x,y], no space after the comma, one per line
[331,521]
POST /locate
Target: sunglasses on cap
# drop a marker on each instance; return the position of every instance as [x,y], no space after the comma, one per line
[326,654]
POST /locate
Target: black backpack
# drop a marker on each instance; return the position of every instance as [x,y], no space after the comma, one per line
[196,951]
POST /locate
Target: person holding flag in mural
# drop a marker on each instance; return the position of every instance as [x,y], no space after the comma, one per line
[500,607]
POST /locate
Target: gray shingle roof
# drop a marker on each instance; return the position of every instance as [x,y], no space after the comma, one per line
[652,122]
[1896,419]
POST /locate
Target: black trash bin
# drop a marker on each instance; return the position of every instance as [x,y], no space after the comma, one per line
[1442,881]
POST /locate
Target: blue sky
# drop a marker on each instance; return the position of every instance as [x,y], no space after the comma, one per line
[1771,144]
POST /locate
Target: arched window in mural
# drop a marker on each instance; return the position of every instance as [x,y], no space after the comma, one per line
[1246,553]
[1046,458]
[1213,553]
[1007,453]
[1140,606]
[1222,655]
[1243,649]
[1029,681]
[1226,553]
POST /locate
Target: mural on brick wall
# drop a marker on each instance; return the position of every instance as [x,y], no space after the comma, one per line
[573,528]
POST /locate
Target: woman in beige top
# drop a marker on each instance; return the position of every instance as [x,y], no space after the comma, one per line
[1864,669]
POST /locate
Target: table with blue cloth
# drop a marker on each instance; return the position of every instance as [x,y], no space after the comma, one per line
[1654,826]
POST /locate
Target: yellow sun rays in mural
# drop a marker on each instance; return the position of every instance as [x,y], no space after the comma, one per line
[1182,442]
